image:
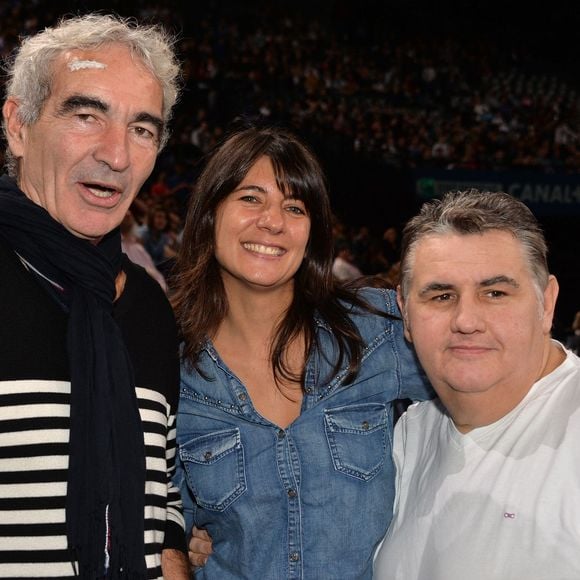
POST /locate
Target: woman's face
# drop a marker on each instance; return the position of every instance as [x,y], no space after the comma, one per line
[260,234]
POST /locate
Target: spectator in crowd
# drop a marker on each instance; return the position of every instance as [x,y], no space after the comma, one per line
[157,238]
[375,260]
[159,188]
[391,246]
[135,250]
[278,406]
[487,475]
[88,355]
[360,247]
[343,267]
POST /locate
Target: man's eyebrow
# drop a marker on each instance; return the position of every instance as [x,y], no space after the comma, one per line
[501,279]
[445,287]
[75,102]
[435,287]
[144,117]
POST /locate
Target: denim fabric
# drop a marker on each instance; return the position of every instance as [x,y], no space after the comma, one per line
[311,501]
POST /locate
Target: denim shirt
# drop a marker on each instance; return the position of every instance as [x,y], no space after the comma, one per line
[311,501]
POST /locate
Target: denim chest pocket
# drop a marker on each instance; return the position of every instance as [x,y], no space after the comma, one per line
[214,467]
[357,438]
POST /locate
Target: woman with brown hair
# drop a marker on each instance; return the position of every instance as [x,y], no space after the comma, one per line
[285,418]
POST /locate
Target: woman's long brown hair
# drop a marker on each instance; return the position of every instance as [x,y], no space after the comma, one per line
[198,295]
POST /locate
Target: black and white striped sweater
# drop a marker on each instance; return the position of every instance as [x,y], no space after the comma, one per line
[34,419]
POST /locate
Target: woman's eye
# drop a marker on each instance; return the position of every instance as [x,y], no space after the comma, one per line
[296,209]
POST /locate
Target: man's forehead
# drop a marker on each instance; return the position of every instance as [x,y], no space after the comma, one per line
[451,243]
[77,63]
[97,55]
[474,257]
[111,73]
[106,56]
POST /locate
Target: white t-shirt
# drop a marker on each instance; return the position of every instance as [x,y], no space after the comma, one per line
[501,502]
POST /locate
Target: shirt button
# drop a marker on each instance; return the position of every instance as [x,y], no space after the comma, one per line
[292,493]
[308,390]
[281,434]
[242,396]
[207,455]
[294,557]
[365,425]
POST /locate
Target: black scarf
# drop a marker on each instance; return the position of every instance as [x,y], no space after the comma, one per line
[106,475]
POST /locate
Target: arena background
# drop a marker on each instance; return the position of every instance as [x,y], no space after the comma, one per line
[401,100]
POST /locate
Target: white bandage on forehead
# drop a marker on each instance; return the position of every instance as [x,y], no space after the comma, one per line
[77,64]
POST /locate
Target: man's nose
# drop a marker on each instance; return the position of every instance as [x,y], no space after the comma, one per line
[113,149]
[468,316]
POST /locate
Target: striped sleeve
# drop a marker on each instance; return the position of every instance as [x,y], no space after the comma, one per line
[174,530]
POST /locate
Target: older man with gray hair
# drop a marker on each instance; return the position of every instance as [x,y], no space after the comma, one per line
[488,477]
[88,348]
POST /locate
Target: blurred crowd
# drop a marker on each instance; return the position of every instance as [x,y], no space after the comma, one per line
[403,96]
[408,98]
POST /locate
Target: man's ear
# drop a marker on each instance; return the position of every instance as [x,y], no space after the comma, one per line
[550,297]
[403,310]
[15,128]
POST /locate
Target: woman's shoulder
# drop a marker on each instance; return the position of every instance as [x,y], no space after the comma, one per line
[373,311]
[381,300]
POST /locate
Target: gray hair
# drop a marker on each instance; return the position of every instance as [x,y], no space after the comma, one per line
[476,212]
[29,72]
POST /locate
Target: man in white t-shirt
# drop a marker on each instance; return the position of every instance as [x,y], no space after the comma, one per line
[488,476]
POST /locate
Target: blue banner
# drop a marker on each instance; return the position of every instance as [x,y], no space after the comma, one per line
[546,194]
